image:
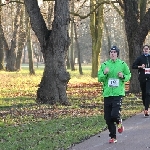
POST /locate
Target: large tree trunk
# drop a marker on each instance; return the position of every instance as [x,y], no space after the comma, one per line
[136,34]
[54,45]
[131,25]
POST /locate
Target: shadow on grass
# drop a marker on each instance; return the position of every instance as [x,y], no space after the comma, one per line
[17,102]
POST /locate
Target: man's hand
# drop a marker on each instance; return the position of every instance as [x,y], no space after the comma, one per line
[106,70]
[120,75]
[143,66]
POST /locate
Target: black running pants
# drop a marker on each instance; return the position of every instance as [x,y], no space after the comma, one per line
[112,108]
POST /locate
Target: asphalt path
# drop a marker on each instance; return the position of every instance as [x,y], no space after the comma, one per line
[136,136]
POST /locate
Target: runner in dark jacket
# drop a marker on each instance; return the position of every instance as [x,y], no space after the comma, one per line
[142,63]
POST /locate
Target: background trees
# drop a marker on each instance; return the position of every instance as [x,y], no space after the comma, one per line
[98,26]
[137,25]
[136,19]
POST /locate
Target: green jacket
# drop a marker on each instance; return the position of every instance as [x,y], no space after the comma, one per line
[112,84]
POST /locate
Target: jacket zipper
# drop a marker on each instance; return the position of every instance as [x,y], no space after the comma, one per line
[147,66]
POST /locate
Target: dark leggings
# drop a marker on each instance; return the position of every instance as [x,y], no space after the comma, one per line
[112,108]
[145,88]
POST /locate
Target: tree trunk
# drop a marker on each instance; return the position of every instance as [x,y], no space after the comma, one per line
[21,42]
[96,21]
[142,9]
[29,46]
[1,43]
[78,50]
[52,88]
[71,48]
[30,53]
[136,33]
[107,37]
[11,55]
[93,29]
[50,14]
[1,49]
[67,62]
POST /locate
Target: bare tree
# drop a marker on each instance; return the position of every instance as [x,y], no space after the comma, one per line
[29,45]
[1,41]
[71,48]
[54,45]
[137,28]
[21,40]
[78,49]
[11,53]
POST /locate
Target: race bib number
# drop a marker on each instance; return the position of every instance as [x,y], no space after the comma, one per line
[147,70]
[113,82]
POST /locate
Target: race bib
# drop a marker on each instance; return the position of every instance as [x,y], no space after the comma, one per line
[147,70]
[113,82]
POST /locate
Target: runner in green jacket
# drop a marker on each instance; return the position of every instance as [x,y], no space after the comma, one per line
[113,74]
[112,77]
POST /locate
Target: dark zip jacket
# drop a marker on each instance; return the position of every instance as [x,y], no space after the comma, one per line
[138,62]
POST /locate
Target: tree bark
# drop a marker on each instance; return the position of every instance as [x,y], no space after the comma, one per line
[1,49]
[78,50]
[21,41]
[96,23]
[11,54]
[136,33]
[1,43]
[54,45]
[71,48]
[29,45]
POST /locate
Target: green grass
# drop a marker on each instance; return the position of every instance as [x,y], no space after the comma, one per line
[25,125]
[51,134]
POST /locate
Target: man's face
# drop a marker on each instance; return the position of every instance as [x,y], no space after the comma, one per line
[113,54]
[146,50]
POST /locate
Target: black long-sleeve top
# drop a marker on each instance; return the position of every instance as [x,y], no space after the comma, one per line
[138,62]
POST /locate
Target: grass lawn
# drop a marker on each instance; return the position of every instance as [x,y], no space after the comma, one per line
[25,125]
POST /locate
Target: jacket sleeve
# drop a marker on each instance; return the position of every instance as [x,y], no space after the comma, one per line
[136,63]
[126,73]
[101,76]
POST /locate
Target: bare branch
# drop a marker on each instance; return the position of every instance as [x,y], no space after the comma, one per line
[120,3]
[96,7]
[119,12]
[37,22]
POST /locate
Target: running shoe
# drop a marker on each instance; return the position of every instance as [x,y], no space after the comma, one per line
[120,127]
[112,140]
[146,113]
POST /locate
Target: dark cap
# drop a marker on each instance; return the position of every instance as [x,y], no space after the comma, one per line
[116,49]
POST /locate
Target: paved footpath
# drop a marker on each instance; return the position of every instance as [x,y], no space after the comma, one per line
[135,137]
